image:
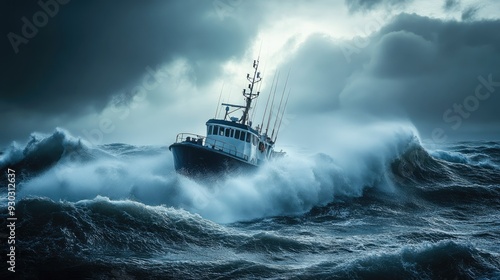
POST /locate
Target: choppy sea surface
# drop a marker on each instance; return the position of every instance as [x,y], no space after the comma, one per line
[403,210]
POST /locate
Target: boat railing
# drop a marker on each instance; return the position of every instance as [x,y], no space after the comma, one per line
[191,138]
[212,143]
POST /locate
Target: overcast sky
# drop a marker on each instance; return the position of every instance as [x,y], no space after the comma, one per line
[140,72]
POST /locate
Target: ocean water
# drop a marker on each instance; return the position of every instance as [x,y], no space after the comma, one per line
[399,210]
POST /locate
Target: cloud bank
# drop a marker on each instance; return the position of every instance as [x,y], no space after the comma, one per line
[442,75]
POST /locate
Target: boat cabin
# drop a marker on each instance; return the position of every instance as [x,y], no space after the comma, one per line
[236,138]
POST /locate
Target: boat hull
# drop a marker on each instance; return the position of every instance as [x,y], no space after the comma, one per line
[194,160]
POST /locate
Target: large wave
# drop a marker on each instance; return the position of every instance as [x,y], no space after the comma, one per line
[62,167]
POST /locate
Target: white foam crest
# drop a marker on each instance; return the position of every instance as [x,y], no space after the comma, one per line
[39,143]
[115,178]
[475,159]
[302,180]
[13,153]
[330,168]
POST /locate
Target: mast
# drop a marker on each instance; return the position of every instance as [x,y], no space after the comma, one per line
[249,95]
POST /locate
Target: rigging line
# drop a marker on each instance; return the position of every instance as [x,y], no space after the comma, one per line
[271,108]
[260,49]
[282,114]
[268,98]
[218,102]
[281,101]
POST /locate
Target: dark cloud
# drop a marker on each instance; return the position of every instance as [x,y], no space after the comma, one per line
[319,72]
[90,50]
[414,67]
[366,5]
[402,54]
[450,5]
[470,13]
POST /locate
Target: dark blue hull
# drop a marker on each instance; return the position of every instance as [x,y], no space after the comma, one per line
[195,160]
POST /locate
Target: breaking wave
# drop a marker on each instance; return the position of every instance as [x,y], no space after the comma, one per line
[392,209]
[62,167]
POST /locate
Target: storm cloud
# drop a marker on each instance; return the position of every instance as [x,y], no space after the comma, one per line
[440,74]
[67,63]
[80,57]
[451,4]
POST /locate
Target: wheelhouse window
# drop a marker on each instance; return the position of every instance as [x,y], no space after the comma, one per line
[210,128]
[216,130]
[248,137]
[237,134]
[228,132]
[242,136]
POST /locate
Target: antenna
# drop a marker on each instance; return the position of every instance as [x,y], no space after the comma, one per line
[276,73]
[218,102]
[282,114]
[281,101]
[260,49]
[271,109]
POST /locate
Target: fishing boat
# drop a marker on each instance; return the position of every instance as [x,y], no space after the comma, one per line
[231,143]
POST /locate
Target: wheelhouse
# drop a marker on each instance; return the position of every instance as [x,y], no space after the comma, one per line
[232,131]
